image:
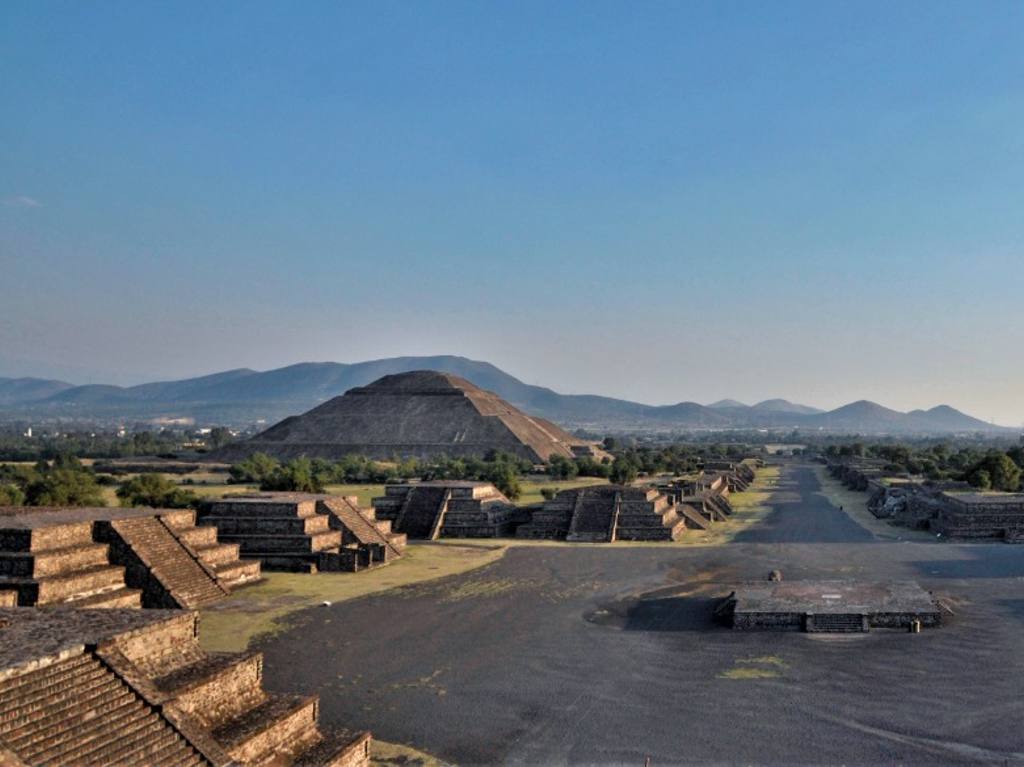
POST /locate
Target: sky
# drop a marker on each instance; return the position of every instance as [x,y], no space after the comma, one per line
[656,201]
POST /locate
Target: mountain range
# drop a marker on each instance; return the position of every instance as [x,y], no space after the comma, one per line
[244,396]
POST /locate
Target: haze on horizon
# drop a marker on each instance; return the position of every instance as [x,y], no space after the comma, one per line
[695,201]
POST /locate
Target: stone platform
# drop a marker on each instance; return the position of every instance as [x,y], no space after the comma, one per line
[115,557]
[829,606]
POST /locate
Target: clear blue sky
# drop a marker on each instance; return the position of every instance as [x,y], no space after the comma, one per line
[660,201]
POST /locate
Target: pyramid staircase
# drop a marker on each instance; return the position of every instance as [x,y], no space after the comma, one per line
[419,514]
[170,575]
[593,517]
[365,540]
[76,711]
[693,518]
[61,565]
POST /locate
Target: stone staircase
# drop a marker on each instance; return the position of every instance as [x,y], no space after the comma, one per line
[61,565]
[369,541]
[283,531]
[835,623]
[222,558]
[694,519]
[169,574]
[75,711]
[592,517]
[420,511]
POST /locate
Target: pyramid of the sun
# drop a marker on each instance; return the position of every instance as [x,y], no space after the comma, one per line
[422,414]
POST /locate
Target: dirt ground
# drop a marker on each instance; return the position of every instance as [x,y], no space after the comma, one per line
[609,655]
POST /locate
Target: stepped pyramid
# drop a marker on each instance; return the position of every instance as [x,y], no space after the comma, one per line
[104,687]
[305,532]
[446,509]
[103,557]
[422,414]
[604,513]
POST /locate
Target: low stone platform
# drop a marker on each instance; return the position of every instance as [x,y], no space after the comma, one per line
[122,686]
[829,606]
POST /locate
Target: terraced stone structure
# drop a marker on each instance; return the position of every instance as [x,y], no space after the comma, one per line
[422,414]
[605,513]
[447,509]
[829,606]
[305,532]
[121,686]
[103,557]
[980,515]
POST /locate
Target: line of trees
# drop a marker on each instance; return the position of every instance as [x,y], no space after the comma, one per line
[984,468]
[62,482]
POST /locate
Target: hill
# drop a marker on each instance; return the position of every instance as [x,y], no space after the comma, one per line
[243,396]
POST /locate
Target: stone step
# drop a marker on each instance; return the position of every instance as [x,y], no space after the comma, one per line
[179,519]
[59,536]
[162,746]
[94,734]
[13,690]
[52,561]
[239,572]
[197,537]
[836,623]
[112,598]
[66,709]
[336,748]
[217,553]
[267,525]
[60,588]
[285,544]
[259,508]
[218,688]
[282,724]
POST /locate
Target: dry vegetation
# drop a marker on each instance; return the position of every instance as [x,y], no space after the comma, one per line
[855,505]
[264,607]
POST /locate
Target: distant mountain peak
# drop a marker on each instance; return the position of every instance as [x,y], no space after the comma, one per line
[727,403]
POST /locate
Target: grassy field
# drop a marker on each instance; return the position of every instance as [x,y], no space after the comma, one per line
[748,508]
[264,607]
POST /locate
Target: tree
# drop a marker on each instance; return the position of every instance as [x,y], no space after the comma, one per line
[256,468]
[560,467]
[64,487]
[1000,472]
[623,472]
[11,495]
[506,479]
[155,491]
[219,436]
[295,476]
